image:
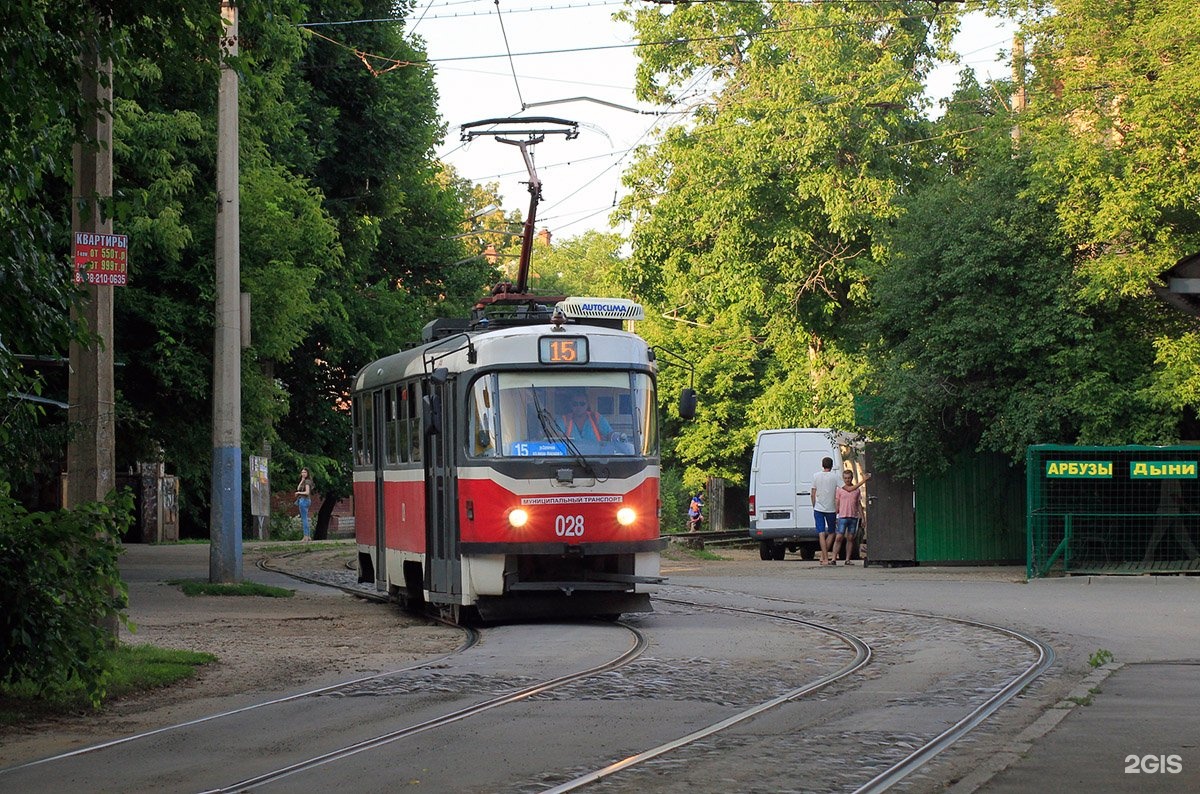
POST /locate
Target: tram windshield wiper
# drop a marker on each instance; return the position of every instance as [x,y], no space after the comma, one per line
[553,433]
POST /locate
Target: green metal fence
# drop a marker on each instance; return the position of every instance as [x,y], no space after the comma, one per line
[971,513]
[1112,510]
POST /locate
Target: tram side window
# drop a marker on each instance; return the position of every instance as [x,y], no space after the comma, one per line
[363,430]
[412,411]
[402,443]
[356,424]
[391,426]
[483,430]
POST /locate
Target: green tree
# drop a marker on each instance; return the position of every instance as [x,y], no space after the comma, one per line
[347,222]
[1111,131]
[1116,90]
[165,145]
[44,110]
[753,226]
[983,343]
[373,132]
[583,265]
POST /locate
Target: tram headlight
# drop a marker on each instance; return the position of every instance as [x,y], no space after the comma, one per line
[626,516]
[518,517]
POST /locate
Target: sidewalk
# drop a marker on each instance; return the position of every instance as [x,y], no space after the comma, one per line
[144,563]
[1127,727]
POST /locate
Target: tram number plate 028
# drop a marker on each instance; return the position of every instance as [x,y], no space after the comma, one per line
[568,526]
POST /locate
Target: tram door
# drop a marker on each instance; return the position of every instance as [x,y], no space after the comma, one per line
[382,408]
[443,571]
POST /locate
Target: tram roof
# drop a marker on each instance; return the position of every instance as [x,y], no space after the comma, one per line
[499,346]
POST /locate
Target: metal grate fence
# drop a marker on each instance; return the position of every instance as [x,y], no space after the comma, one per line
[1113,510]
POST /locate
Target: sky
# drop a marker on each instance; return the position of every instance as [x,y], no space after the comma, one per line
[561,50]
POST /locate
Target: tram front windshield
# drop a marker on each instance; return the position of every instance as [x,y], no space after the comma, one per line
[546,414]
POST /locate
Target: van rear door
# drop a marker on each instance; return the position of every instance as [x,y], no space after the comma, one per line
[781,480]
[811,448]
[775,484]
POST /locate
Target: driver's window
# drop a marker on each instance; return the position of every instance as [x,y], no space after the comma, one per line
[483,429]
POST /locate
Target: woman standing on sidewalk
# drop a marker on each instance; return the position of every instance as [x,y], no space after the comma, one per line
[304,500]
[849,514]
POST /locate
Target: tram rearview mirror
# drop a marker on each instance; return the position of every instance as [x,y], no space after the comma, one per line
[431,408]
[687,404]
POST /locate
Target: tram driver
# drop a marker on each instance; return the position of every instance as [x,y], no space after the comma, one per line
[581,423]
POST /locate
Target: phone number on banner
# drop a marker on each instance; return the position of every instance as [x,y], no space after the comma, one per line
[92,277]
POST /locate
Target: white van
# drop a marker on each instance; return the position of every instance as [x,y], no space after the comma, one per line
[781,514]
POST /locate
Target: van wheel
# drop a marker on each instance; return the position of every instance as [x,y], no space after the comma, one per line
[766,550]
[808,552]
[778,552]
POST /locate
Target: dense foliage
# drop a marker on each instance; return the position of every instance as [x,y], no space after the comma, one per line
[41,110]
[347,224]
[811,235]
[755,223]
[983,342]
[59,588]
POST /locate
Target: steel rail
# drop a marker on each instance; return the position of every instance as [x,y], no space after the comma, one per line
[369,595]
[922,755]
[636,650]
[862,656]
[470,638]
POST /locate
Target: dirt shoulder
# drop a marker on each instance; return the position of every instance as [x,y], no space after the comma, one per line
[263,645]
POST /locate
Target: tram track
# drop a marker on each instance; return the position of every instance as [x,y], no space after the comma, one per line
[471,637]
[78,764]
[717,739]
[895,771]
[1044,657]
[449,718]
[862,656]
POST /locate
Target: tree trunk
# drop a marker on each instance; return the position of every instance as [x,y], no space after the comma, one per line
[321,529]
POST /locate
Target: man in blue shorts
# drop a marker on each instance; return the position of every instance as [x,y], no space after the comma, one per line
[824,500]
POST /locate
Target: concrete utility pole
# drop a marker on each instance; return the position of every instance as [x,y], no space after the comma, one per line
[225,524]
[90,452]
[1018,78]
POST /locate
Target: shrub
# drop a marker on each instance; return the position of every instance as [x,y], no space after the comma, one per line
[675,500]
[60,589]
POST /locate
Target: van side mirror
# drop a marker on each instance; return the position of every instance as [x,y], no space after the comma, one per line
[687,404]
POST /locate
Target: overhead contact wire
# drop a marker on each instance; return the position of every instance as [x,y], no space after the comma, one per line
[511,64]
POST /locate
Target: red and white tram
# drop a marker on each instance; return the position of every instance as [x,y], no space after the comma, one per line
[511,469]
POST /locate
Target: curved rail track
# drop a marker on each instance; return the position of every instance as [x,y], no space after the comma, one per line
[706,721]
[443,720]
[918,757]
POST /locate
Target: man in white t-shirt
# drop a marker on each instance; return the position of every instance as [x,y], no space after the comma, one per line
[824,500]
